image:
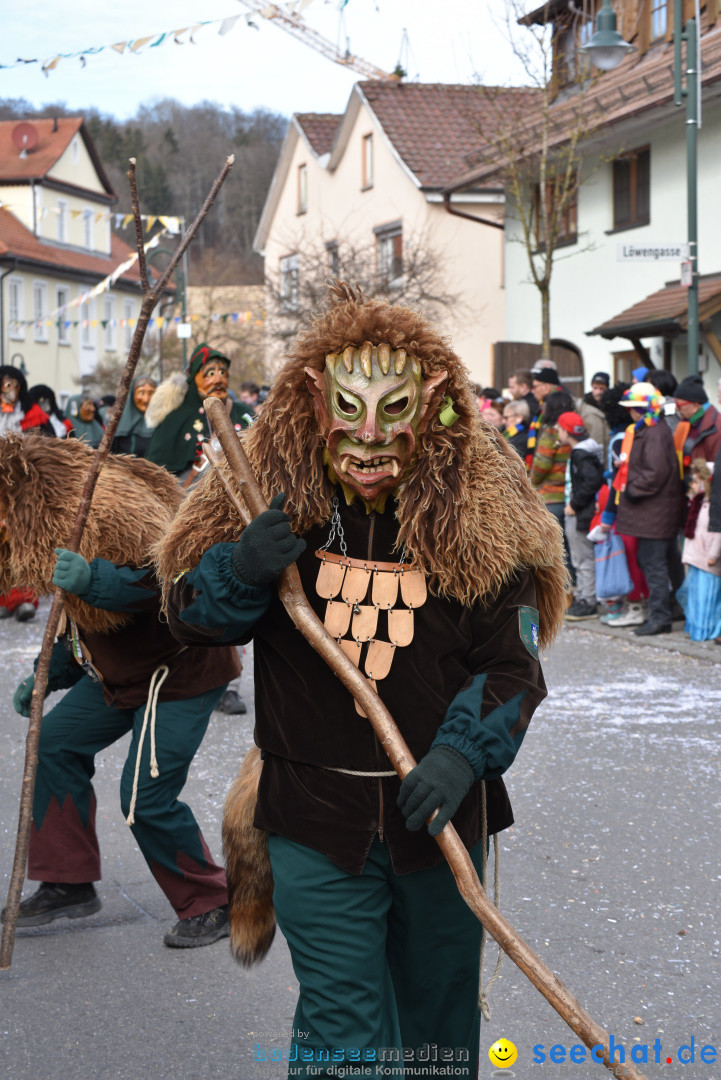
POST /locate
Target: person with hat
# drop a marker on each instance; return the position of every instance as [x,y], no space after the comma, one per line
[177,418]
[82,412]
[589,407]
[544,381]
[698,433]
[133,434]
[18,412]
[648,497]
[584,477]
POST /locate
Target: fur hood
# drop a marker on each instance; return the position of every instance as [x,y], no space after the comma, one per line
[169,396]
[466,510]
[40,485]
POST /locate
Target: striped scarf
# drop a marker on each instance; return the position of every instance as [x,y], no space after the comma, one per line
[650,419]
[533,428]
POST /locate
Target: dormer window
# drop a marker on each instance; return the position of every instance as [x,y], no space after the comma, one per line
[367,162]
[659,19]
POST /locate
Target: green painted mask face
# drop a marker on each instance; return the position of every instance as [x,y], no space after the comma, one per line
[372,403]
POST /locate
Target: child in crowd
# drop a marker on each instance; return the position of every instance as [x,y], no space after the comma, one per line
[700,594]
[584,476]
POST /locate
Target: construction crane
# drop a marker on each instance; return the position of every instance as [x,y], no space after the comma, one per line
[297,26]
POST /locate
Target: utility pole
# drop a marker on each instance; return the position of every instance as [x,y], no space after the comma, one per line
[693,122]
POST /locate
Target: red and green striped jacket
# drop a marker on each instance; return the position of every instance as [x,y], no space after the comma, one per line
[548,471]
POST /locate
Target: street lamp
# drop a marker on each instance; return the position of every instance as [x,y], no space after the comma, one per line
[606,50]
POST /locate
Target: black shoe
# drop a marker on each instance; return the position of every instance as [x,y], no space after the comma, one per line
[677,612]
[581,609]
[231,703]
[199,929]
[5,613]
[648,628]
[56,901]
[25,612]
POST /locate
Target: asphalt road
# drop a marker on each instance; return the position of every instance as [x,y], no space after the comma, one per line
[611,874]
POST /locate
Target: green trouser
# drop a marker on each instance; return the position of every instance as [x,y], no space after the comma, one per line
[386,963]
[63,842]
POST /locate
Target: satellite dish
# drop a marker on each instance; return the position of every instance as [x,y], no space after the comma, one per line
[25,137]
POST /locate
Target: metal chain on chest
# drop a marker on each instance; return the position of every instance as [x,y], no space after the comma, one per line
[336,527]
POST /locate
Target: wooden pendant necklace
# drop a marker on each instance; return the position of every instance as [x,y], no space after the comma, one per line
[358,592]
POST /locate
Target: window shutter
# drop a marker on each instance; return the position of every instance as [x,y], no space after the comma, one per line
[669,19]
[712,11]
[689,10]
[644,26]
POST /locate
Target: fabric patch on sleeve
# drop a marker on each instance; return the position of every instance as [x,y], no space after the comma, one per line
[528,620]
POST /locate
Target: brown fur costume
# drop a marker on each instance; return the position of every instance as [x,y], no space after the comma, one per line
[466,510]
[41,481]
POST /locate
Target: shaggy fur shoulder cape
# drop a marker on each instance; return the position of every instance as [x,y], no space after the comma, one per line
[41,481]
[466,510]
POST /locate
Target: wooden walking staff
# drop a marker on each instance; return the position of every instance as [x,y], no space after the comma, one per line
[293,598]
[150,299]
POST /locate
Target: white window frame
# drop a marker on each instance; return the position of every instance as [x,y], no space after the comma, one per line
[88,221]
[289,268]
[110,331]
[128,315]
[62,221]
[385,255]
[62,297]
[16,310]
[40,311]
[87,314]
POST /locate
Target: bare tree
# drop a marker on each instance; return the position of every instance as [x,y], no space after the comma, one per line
[536,139]
[412,275]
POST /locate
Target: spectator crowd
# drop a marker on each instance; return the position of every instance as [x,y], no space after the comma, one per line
[629,472]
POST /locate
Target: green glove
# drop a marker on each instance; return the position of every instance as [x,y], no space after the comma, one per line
[439,781]
[266,546]
[23,696]
[72,572]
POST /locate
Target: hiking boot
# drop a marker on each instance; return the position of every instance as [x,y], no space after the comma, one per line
[632,616]
[232,704]
[199,929]
[24,612]
[57,901]
[581,609]
[648,628]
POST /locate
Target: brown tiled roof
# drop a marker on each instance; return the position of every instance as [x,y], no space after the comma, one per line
[50,147]
[18,241]
[433,127]
[320,129]
[663,312]
[638,84]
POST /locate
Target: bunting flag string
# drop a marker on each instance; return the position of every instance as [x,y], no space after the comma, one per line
[183,36]
[160,321]
[172,223]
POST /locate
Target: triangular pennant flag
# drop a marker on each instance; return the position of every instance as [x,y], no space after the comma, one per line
[135,46]
[50,65]
[151,219]
[227,24]
[158,41]
[120,47]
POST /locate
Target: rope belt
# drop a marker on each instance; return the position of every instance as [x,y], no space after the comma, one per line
[161,673]
[355,772]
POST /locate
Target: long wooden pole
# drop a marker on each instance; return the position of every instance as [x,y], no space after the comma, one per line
[293,598]
[150,299]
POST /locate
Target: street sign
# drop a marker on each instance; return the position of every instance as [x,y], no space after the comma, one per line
[687,273]
[184,329]
[668,252]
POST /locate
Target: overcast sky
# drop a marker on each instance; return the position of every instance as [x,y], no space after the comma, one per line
[448,41]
